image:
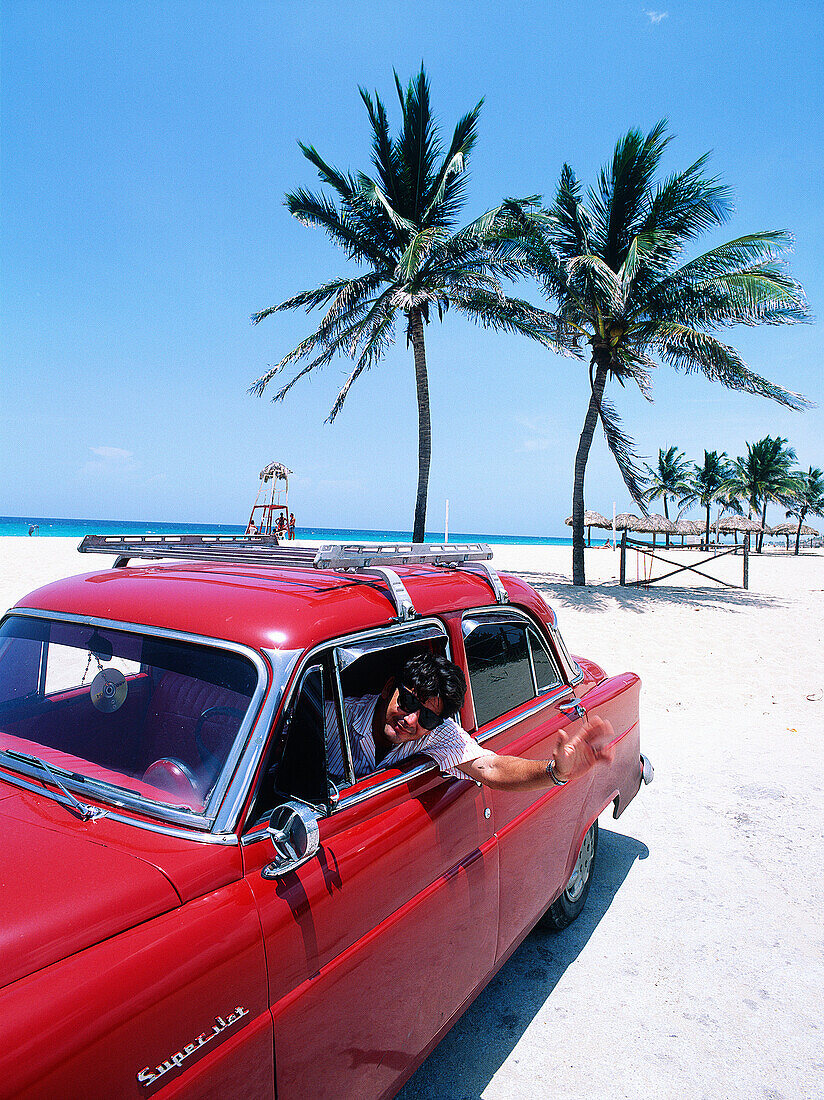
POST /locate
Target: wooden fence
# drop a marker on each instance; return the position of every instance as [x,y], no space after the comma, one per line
[651,553]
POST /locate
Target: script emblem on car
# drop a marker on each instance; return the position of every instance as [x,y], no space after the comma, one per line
[148,1076]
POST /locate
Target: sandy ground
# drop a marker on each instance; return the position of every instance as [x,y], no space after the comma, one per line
[697,968]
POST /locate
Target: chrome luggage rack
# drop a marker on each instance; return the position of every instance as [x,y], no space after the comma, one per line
[365,558]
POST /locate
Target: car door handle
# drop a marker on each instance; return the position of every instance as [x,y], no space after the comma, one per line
[573,706]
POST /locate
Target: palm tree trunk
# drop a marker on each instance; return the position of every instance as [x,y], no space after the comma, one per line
[666,516]
[584,444]
[763,521]
[798,532]
[424,426]
[708,528]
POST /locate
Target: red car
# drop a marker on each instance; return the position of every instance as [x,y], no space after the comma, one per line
[191,904]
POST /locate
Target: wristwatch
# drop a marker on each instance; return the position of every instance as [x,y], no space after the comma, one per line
[550,771]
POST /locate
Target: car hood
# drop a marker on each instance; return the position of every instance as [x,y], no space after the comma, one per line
[61,890]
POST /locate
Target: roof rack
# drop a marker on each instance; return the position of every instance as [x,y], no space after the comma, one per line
[370,558]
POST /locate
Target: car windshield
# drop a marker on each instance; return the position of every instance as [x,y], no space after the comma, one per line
[154,717]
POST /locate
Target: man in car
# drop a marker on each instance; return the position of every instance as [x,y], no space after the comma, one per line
[414,714]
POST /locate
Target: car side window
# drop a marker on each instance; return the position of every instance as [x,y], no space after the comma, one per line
[499,671]
[508,665]
[547,674]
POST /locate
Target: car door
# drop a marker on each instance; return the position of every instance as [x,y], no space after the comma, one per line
[376,942]
[519,696]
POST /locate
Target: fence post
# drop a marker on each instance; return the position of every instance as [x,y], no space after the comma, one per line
[747,560]
[623,576]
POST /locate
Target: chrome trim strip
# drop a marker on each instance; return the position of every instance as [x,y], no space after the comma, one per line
[283,665]
[540,704]
[199,837]
[388,785]
[575,673]
[208,818]
[340,714]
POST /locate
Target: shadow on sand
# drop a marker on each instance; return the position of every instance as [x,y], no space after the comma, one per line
[469,1055]
[558,592]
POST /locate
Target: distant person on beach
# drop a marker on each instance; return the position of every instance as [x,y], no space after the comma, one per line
[291,525]
[413,714]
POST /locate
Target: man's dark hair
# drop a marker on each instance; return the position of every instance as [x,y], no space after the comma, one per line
[432,674]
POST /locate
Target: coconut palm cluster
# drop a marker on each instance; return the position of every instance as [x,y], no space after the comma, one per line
[625,288]
[740,488]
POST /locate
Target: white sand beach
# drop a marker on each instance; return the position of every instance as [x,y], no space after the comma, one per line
[697,968]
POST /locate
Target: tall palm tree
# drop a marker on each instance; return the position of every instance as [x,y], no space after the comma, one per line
[808,497]
[765,473]
[708,482]
[610,261]
[399,226]
[670,478]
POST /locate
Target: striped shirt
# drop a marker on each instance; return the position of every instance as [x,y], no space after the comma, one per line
[448,745]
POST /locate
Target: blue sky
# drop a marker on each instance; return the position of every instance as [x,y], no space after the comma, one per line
[146,150]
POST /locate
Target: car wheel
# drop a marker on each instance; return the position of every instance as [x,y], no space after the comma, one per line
[569,905]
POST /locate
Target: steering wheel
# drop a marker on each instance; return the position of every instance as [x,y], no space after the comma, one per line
[173,776]
[211,759]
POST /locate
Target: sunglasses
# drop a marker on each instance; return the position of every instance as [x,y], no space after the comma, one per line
[409,704]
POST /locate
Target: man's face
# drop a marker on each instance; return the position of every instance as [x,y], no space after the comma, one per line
[402,725]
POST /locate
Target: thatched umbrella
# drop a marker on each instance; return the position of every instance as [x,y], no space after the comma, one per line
[688,527]
[592,519]
[626,521]
[788,529]
[654,524]
[731,525]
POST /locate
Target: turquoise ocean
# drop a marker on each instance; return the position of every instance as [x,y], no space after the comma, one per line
[77,528]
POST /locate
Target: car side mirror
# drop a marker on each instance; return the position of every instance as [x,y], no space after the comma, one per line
[293,828]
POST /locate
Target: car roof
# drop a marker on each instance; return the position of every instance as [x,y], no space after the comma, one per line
[264,606]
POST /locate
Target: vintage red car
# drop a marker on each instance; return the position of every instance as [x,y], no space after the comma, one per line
[191,905]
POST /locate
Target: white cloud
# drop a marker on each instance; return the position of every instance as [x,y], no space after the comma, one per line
[656,16]
[536,444]
[110,462]
[113,454]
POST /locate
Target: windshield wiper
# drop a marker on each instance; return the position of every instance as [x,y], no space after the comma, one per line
[86,812]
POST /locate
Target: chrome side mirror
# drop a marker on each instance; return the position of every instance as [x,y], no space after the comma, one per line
[293,828]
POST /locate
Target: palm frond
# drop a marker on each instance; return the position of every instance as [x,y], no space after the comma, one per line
[344,185]
[384,156]
[443,200]
[618,204]
[691,351]
[381,336]
[622,447]
[515,315]
[320,211]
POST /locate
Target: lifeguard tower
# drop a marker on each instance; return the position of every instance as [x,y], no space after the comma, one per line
[270,512]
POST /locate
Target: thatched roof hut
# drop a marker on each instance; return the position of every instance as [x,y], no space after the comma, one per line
[788,529]
[592,519]
[653,524]
[689,527]
[626,521]
[792,529]
[728,524]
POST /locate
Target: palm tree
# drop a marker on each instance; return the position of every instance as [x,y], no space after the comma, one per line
[707,483]
[399,227]
[668,479]
[765,473]
[609,260]
[808,497]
